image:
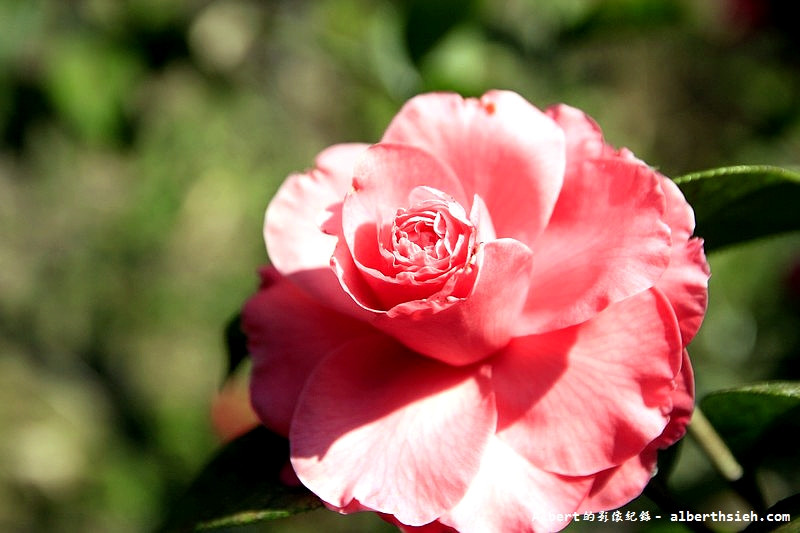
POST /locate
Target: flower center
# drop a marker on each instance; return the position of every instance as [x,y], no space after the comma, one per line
[419,235]
[429,239]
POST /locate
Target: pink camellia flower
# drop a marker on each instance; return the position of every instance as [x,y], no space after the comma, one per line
[480,322]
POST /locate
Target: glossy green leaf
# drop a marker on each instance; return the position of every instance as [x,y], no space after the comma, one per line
[737,204]
[755,421]
[241,485]
[790,506]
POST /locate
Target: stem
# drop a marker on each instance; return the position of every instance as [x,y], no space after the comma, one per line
[715,449]
[723,460]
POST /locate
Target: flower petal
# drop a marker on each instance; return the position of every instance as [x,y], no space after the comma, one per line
[287,335]
[469,329]
[433,527]
[385,177]
[678,214]
[583,399]
[605,242]
[685,284]
[685,281]
[617,486]
[391,179]
[501,148]
[511,494]
[384,180]
[682,405]
[583,136]
[398,432]
[297,245]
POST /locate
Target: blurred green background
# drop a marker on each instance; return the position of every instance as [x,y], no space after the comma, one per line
[142,140]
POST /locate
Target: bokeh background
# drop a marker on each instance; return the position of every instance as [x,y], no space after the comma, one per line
[142,139]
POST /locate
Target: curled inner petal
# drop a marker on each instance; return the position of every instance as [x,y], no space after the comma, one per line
[424,249]
[428,239]
[412,241]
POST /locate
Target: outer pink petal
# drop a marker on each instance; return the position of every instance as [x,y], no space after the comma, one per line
[587,398]
[472,328]
[400,433]
[287,335]
[617,486]
[605,242]
[510,494]
[433,527]
[585,142]
[685,282]
[678,215]
[501,147]
[304,203]
[583,135]
[682,405]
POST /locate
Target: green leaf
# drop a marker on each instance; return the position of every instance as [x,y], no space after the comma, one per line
[737,204]
[236,344]
[241,485]
[755,420]
[790,506]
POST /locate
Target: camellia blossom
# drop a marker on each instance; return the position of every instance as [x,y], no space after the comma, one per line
[480,322]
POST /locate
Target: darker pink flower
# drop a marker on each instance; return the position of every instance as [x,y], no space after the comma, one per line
[479,322]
